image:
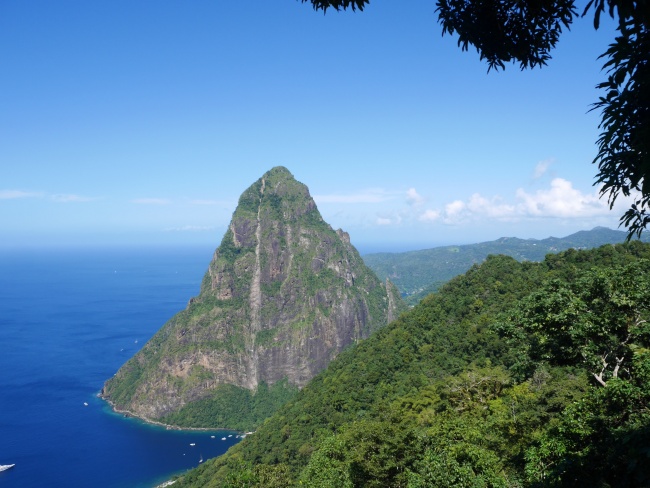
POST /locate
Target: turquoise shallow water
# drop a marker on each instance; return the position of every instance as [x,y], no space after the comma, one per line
[68,320]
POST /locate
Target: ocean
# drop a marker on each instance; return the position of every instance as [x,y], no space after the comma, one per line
[69,318]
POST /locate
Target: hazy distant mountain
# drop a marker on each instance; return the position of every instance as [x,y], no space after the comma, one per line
[417,273]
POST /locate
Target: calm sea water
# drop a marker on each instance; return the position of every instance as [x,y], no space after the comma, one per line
[68,320]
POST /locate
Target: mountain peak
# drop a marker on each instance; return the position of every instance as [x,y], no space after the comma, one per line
[282,296]
[277,194]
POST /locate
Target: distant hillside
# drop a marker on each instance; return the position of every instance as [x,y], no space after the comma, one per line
[418,273]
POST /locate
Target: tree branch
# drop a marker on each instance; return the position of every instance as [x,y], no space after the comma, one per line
[619,361]
[599,376]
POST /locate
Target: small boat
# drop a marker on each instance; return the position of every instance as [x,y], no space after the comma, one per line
[85,404]
[211,437]
[192,443]
[223,438]
[230,435]
[4,467]
[201,460]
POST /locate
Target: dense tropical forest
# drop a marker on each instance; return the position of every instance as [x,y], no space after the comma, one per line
[513,374]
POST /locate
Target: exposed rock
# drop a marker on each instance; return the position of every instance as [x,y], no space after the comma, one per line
[283,295]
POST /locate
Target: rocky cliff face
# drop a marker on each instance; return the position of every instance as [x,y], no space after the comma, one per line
[283,295]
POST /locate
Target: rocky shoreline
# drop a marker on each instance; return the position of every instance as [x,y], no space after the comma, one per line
[129,414]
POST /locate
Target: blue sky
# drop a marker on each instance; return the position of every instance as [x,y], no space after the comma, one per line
[141,122]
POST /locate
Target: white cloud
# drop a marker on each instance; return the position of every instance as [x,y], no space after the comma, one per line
[413,198]
[429,216]
[151,201]
[383,221]
[492,208]
[61,198]
[556,199]
[454,208]
[542,167]
[14,194]
[364,196]
[561,200]
[454,212]
[205,202]
[55,197]
[189,228]
[389,218]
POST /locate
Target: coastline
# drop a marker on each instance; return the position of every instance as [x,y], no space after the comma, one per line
[129,414]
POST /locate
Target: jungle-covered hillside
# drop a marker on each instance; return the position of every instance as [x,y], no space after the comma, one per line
[513,374]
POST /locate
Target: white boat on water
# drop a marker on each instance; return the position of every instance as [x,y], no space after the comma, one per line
[4,467]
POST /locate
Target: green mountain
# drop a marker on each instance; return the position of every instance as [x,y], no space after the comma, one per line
[514,374]
[418,273]
[282,296]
